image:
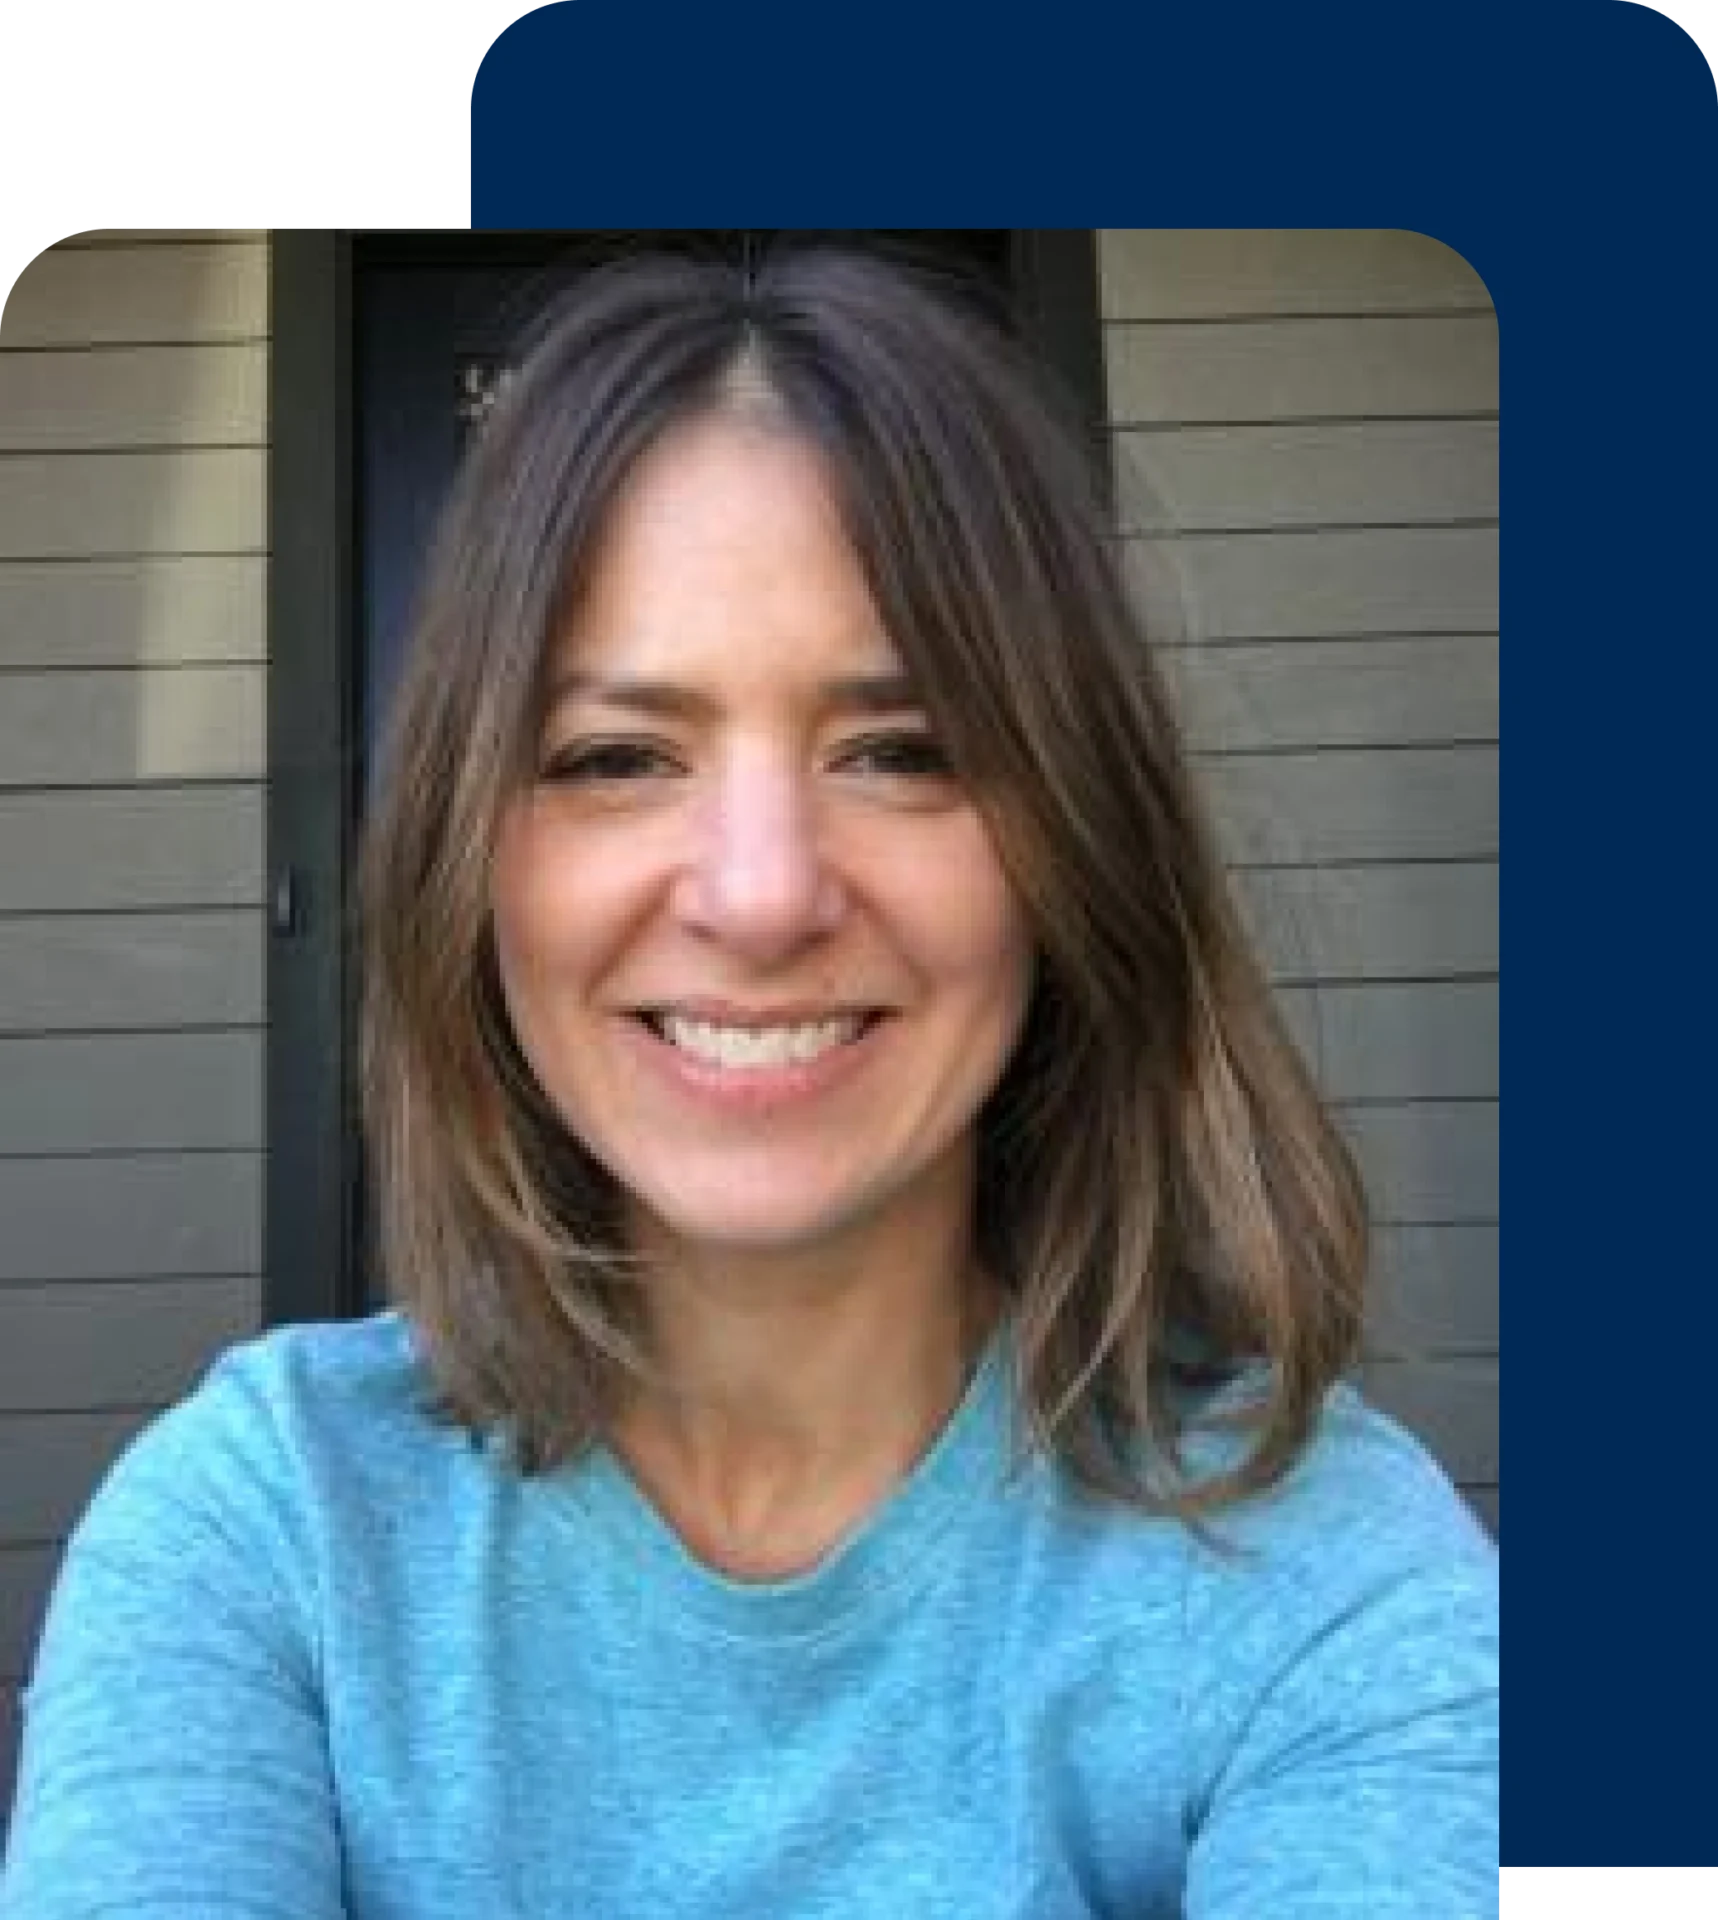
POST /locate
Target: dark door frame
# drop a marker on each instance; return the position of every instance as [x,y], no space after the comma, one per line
[314,1177]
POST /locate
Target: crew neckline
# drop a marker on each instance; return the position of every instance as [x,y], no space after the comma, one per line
[903,1538]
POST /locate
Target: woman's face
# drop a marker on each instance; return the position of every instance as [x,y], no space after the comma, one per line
[755,941]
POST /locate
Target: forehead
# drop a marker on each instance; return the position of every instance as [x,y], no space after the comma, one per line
[725,554]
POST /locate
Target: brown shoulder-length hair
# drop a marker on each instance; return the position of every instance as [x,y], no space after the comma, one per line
[1159,1188]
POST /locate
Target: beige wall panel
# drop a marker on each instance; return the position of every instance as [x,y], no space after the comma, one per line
[138,296]
[135,397]
[77,504]
[1171,272]
[130,1217]
[1337,693]
[116,1092]
[1301,370]
[151,236]
[1415,803]
[143,612]
[1265,586]
[114,725]
[72,851]
[103,970]
[1370,472]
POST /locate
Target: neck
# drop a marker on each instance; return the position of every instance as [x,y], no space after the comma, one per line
[795,1393]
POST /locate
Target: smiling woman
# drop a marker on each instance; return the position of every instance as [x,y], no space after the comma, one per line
[862,1430]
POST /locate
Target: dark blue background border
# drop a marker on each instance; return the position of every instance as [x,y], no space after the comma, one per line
[1568,151]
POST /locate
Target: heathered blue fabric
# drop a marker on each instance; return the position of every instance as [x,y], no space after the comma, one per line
[313,1654]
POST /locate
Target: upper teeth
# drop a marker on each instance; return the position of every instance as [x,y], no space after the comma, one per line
[759,1046]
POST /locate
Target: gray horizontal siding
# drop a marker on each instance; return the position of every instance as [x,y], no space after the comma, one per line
[133,455]
[1409,803]
[1385,922]
[72,505]
[135,397]
[1434,1291]
[79,297]
[1430,1040]
[140,847]
[1168,272]
[70,1348]
[1451,1404]
[50,1462]
[1352,473]
[1427,1160]
[1432,690]
[130,1216]
[1302,369]
[88,973]
[24,1576]
[152,612]
[112,725]
[1268,586]
[118,1092]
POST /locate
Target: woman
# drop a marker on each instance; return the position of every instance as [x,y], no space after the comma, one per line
[861,1433]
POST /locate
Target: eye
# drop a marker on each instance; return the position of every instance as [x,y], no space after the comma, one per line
[597,762]
[909,755]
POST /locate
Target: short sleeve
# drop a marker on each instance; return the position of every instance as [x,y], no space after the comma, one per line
[1347,1705]
[174,1760]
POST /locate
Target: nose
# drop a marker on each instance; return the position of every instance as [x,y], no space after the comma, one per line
[756,877]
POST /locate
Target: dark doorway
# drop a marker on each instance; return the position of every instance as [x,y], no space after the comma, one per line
[386,347]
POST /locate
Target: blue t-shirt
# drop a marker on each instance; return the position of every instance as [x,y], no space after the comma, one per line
[313,1654]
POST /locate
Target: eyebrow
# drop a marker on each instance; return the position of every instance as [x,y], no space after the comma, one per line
[871,693]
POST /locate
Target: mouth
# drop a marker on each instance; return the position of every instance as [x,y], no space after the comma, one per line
[758,1046]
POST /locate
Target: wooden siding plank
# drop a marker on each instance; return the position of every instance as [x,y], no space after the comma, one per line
[1339,693]
[1398,1042]
[145,612]
[1267,586]
[1483,1501]
[1434,1290]
[1367,473]
[195,846]
[1301,369]
[1377,922]
[79,296]
[214,395]
[1451,1404]
[128,1217]
[70,1348]
[1166,272]
[87,972]
[120,1092]
[50,1464]
[1416,803]
[1427,1161]
[26,1575]
[114,725]
[147,236]
[202,500]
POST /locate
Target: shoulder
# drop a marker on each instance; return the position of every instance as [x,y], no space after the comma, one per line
[1359,1587]
[302,1419]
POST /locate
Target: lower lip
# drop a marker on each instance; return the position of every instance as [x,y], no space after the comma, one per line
[754,1089]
